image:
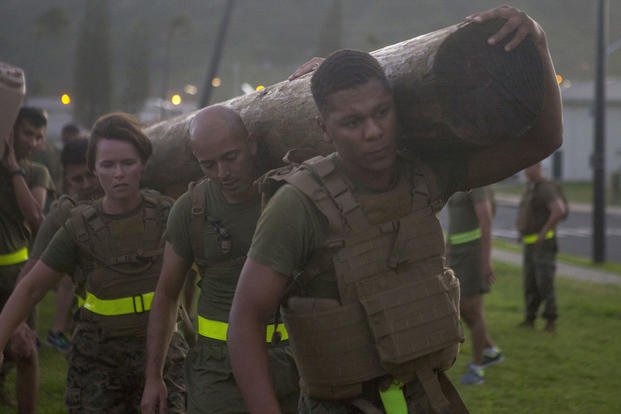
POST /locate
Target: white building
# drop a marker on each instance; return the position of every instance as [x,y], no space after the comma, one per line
[578,107]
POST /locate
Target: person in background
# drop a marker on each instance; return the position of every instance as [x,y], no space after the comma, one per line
[542,207]
[24,188]
[469,254]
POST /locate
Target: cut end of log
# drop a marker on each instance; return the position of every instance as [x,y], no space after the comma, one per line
[487,94]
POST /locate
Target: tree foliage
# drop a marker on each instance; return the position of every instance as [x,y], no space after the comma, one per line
[331,35]
[137,72]
[93,78]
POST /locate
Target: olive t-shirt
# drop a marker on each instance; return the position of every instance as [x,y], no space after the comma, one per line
[534,212]
[462,215]
[59,212]
[63,252]
[219,280]
[14,233]
[291,228]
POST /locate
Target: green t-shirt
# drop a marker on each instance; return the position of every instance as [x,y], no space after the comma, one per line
[291,228]
[59,212]
[534,211]
[14,233]
[64,254]
[462,215]
[219,280]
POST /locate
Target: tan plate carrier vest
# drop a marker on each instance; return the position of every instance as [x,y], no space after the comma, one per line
[121,263]
[398,314]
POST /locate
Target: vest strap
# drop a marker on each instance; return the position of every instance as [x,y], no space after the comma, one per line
[121,306]
[16,257]
[210,328]
[532,238]
[465,236]
[393,399]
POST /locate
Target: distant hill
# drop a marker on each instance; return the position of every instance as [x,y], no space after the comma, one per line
[268,39]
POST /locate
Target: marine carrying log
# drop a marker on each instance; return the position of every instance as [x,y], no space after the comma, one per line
[452,90]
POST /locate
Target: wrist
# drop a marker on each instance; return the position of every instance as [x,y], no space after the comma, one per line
[14,171]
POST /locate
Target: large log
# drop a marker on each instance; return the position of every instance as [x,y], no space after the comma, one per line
[452,90]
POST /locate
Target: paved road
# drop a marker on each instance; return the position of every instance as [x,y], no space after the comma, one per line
[574,234]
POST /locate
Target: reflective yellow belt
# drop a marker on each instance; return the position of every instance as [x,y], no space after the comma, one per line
[120,306]
[393,399]
[217,330]
[18,256]
[532,238]
[465,237]
[80,301]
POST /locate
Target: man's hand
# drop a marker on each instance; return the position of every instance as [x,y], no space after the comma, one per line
[517,21]
[306,67]
[23,341]
[154,397]
[488,274]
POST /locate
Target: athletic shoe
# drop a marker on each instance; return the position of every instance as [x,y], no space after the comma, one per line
[550,326]
[488,360]
[474,376]
[59,341]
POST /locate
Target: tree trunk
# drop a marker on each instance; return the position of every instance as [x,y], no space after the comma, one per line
[453,93]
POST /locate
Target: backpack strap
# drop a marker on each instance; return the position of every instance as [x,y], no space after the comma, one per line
[197,192]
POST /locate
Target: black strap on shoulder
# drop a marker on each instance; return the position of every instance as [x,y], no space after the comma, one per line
[197,192]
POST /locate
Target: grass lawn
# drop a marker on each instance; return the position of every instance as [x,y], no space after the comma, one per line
[575,370]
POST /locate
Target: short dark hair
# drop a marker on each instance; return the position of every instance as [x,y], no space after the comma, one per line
[345,69]
[37,117]
[74,152]
[70,129]
[122,127]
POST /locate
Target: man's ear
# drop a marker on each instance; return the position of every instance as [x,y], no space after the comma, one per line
[322,126]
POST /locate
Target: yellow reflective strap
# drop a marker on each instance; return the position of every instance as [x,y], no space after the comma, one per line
[393,399]
[80,300]
[217,330]
[17,257]
[121,306]
[532,238]
[465,237]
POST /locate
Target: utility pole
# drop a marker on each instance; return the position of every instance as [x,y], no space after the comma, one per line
[214,64]
[599,142]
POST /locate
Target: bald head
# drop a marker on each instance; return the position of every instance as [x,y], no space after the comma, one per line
[225,151]
[216,121]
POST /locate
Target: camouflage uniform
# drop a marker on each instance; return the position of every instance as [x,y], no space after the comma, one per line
[106,375]
[107,356]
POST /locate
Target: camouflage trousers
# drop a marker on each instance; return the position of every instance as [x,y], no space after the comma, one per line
[415,398]
[539,269]
[106,374]
[212,388]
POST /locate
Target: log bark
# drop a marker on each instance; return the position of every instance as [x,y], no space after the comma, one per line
[453,92]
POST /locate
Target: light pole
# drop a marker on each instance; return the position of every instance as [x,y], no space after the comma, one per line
[599,167]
